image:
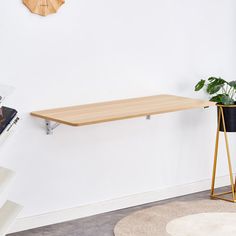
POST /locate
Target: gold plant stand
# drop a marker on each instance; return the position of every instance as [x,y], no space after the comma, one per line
[232,192]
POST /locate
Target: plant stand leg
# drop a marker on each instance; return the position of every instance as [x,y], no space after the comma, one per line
[235,185]
[228,155]
[219,196]
[215,155]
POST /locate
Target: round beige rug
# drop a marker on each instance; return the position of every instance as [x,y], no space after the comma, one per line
[187,218]
[203,224]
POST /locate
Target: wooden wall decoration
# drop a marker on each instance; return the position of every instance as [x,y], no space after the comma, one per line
[43,7]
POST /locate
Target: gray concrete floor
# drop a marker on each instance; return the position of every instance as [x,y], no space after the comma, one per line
[98,225]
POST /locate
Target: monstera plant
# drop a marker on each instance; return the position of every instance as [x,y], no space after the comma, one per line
[220,90]
[224,94]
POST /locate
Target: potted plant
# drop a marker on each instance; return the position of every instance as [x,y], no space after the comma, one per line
[224,94]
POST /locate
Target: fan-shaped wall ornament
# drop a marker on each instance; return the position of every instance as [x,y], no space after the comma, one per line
[43,7]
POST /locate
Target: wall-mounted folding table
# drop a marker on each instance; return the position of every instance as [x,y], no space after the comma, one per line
[117,110]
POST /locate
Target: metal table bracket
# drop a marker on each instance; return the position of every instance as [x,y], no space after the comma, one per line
[50,127]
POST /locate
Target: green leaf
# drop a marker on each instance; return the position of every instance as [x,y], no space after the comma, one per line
[200,85]
[215,85]
[232,83]
[217,98]
[211,79]
[226,100]
[214,88]
[223,99]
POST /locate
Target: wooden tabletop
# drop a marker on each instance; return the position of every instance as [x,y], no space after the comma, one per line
[120,109]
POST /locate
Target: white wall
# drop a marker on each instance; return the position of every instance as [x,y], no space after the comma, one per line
[102,50]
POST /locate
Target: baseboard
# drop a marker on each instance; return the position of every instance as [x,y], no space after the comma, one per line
[26,223]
